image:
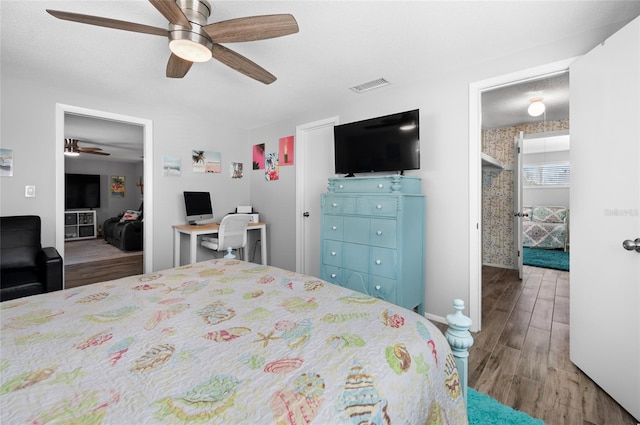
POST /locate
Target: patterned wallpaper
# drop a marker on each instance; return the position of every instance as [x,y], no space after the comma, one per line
[498,244]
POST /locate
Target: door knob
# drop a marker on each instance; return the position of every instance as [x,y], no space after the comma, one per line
[305,214]
[630,245]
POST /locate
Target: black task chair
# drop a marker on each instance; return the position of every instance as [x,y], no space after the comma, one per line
[26,268]
[232,234]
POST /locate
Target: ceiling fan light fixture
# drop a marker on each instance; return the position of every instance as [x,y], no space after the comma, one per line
[190,50]
[69,152]
[536,108]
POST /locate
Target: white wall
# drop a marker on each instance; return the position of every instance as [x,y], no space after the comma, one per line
[28,127]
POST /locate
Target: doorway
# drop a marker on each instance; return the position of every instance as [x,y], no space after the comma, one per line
[314,156]
[476,90]
[147,132]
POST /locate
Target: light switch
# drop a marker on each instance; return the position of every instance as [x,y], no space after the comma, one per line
[30,191]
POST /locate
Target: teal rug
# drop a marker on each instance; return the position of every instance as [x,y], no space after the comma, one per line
[484,410]
[547,258]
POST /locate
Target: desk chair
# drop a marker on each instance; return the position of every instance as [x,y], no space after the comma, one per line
[232,234]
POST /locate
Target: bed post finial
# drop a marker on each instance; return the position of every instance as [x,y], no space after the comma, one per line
[460,340]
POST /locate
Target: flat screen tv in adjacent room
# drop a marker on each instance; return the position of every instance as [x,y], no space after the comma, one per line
[387,143]
[82,191]
[198,207]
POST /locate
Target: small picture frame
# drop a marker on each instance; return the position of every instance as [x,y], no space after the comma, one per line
[117,186]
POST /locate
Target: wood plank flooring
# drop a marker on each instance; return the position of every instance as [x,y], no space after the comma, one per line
[94,260]
[521,356]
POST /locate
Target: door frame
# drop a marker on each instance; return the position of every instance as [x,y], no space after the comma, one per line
[147,134]
[475,172]
[301,131]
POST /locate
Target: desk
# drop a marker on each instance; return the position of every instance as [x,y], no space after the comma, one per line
[208,229]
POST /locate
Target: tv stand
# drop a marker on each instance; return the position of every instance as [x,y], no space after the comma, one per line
[79,225]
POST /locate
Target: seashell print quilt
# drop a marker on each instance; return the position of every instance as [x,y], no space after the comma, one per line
[222,342]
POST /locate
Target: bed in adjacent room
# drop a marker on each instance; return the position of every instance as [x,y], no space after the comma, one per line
[222,341]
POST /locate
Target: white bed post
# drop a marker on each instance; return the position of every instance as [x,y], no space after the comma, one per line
[460,340]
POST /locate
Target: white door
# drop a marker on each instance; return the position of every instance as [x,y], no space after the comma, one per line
[314,165]
[519,212]
[605,211]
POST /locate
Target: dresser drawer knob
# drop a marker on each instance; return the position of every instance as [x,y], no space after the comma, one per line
[379,232]
[379,206]
[341,186]
[334,227]
[378,262]
[377,287]
[380,185]
[334,205]
[333,253]
[333,275]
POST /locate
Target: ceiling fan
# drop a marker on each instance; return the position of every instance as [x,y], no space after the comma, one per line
[71,148]
[191,39]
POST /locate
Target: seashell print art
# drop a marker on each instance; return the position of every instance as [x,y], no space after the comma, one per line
[361,400]
[313,285]
[452,381]
[216,312]
[285,365]
[398,358]
[93,298]
[291,408]
[153,359]
[203,402]
[226,335]
[87,407]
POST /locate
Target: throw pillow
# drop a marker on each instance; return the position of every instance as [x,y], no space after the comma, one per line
[129,215]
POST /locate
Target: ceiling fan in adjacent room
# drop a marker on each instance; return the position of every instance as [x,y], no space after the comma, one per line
[191,39]
[71,148]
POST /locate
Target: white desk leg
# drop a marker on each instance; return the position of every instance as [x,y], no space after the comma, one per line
[263,245]
[176,248]
[193,248]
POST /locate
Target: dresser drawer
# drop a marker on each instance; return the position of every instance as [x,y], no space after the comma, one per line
[338,204]
[332,253]
[355,257]
[380,206]
[384,262]
[356,281]
[380,185]
[383,233]
[357,229]
[332,227]
[331,274]
[383,288]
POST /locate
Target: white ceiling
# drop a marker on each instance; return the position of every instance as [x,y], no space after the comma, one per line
[340,44]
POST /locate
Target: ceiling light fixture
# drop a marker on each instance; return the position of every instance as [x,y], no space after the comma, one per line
[408,126]
[189,50]
[536,108]
[69,149]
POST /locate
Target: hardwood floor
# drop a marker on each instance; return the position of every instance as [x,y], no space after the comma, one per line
[521,356]
[94,260]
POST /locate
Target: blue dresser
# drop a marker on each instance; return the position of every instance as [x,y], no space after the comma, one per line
[373,237]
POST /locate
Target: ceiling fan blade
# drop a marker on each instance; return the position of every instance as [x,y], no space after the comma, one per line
[242,64]
[87,149]
[177,67]
[94,152]
[171,11]
[252,28]
[108,22]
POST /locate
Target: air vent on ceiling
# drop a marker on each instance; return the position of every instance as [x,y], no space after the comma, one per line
[375,84]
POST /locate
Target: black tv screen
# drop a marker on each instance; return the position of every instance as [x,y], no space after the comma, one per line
[387,143]
[82,191]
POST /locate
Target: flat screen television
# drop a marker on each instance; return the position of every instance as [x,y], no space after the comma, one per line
[82,191]
[387,143]
[198,207]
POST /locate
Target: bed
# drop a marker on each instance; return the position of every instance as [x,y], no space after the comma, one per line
[225,342]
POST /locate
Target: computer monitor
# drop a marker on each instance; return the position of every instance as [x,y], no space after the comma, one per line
[198,207]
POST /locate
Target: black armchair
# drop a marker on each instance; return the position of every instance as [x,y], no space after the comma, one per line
[25,267]
[124,234]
